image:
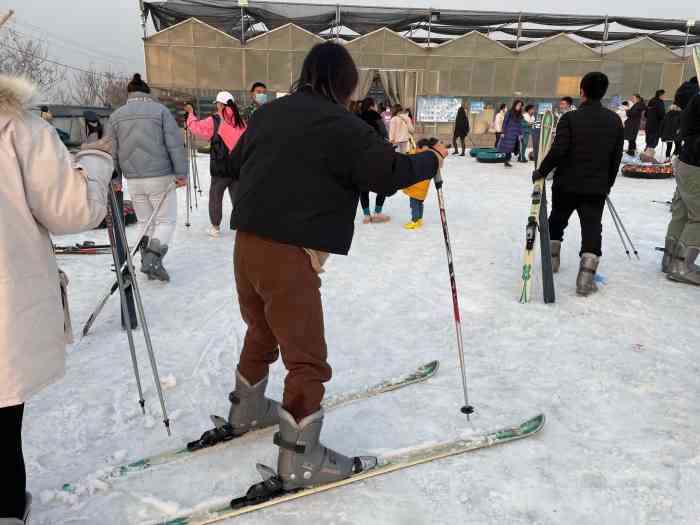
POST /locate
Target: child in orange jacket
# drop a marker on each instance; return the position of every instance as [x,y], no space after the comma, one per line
[417,193]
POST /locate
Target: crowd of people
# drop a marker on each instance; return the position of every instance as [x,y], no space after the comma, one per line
[291,211]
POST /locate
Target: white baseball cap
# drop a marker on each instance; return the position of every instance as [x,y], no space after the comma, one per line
[224,97]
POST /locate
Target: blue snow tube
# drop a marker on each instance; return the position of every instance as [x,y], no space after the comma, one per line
[474,152]
[490,155]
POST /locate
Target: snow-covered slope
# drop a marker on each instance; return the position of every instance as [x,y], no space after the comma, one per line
[617,375]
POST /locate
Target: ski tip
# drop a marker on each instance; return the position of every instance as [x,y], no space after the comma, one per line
[534,424]
[430,368]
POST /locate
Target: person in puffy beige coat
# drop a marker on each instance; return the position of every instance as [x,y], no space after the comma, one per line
[400,129]
[44,190]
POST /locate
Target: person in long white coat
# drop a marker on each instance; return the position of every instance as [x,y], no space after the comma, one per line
[44,191]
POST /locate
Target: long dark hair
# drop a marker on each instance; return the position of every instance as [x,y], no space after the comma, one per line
[514,111]
[330,71]
[237,120]
[367,104]
[97,128]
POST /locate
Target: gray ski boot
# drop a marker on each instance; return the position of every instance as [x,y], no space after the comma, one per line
[669,251]
[17,521]
[145,261]
[250,409]
[585,282]
[555,247]
[153,264]
[683,268]
[303,461]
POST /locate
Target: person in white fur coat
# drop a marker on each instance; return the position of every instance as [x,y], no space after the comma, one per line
[44,191]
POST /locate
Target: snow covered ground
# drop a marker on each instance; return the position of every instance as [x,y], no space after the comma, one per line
[616,374]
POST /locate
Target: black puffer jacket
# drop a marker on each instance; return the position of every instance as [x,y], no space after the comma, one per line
[461,123]
[656,111]
[690,132]
[587,151]
[671,124]
[634,120]
[301,165]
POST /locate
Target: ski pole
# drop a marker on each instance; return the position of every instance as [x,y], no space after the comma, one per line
[120,267]
[619,232]
[121,230]
[114,211]
[622,225]
[467,408]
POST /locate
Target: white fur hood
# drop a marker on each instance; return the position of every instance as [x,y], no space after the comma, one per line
[16,93]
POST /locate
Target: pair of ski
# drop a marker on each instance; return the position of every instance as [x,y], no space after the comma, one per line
[84,248]
[537,222]
[388,463]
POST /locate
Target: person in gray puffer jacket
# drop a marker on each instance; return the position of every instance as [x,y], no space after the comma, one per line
[150,153]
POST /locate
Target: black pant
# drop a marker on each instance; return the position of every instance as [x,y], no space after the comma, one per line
[590,213]
[218,188]
[498,138]
[669,148]
[461,139]
[364,200]
[13,473]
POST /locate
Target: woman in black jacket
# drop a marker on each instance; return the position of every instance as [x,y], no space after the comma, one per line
[368,113]
[669,130]
[461,129]
[656,111]
[633,123]
[301,166]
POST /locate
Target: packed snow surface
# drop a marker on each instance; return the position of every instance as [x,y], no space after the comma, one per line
[616,374]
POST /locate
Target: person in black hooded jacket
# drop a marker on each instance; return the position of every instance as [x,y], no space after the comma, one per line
[586,153]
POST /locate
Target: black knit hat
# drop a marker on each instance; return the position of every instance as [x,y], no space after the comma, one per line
[137,84]
[90,116]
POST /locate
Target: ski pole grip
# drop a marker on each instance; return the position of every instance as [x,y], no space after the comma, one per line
[438,179]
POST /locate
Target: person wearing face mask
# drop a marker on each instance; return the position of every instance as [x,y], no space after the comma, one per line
[258,96]
[223,129]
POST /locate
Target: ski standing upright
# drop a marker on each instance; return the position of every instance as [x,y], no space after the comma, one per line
[537,220]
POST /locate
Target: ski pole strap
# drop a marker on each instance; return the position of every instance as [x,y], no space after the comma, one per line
[287,445]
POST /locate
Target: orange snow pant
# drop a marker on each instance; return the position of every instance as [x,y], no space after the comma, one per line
[280,301]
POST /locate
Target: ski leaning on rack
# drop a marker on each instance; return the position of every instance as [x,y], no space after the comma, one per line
[696,60]
[421,374]
[535,219]
[269,493]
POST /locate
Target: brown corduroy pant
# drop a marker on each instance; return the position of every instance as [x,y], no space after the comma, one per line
[280,301]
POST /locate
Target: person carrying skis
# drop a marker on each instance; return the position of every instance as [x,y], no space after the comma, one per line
[150,153]
[223,129]
[682,248]
[586,155]
[43,191]
[461,129]
[301,166]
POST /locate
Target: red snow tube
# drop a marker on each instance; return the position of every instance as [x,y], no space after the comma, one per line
[662,171]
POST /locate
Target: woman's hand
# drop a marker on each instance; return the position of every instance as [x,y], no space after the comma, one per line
[180,182]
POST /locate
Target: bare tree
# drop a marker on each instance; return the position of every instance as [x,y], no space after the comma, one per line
[29,57]
[94,88]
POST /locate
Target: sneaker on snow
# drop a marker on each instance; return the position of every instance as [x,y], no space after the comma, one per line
[366,219]
[380,217]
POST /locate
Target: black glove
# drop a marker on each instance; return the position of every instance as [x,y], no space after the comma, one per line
[536,175]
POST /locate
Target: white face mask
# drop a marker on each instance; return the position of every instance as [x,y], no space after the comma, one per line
[261,98]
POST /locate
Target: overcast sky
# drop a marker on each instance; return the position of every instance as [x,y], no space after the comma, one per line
[107,33]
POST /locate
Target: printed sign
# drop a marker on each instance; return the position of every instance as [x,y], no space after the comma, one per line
[476,106]
[438,109]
